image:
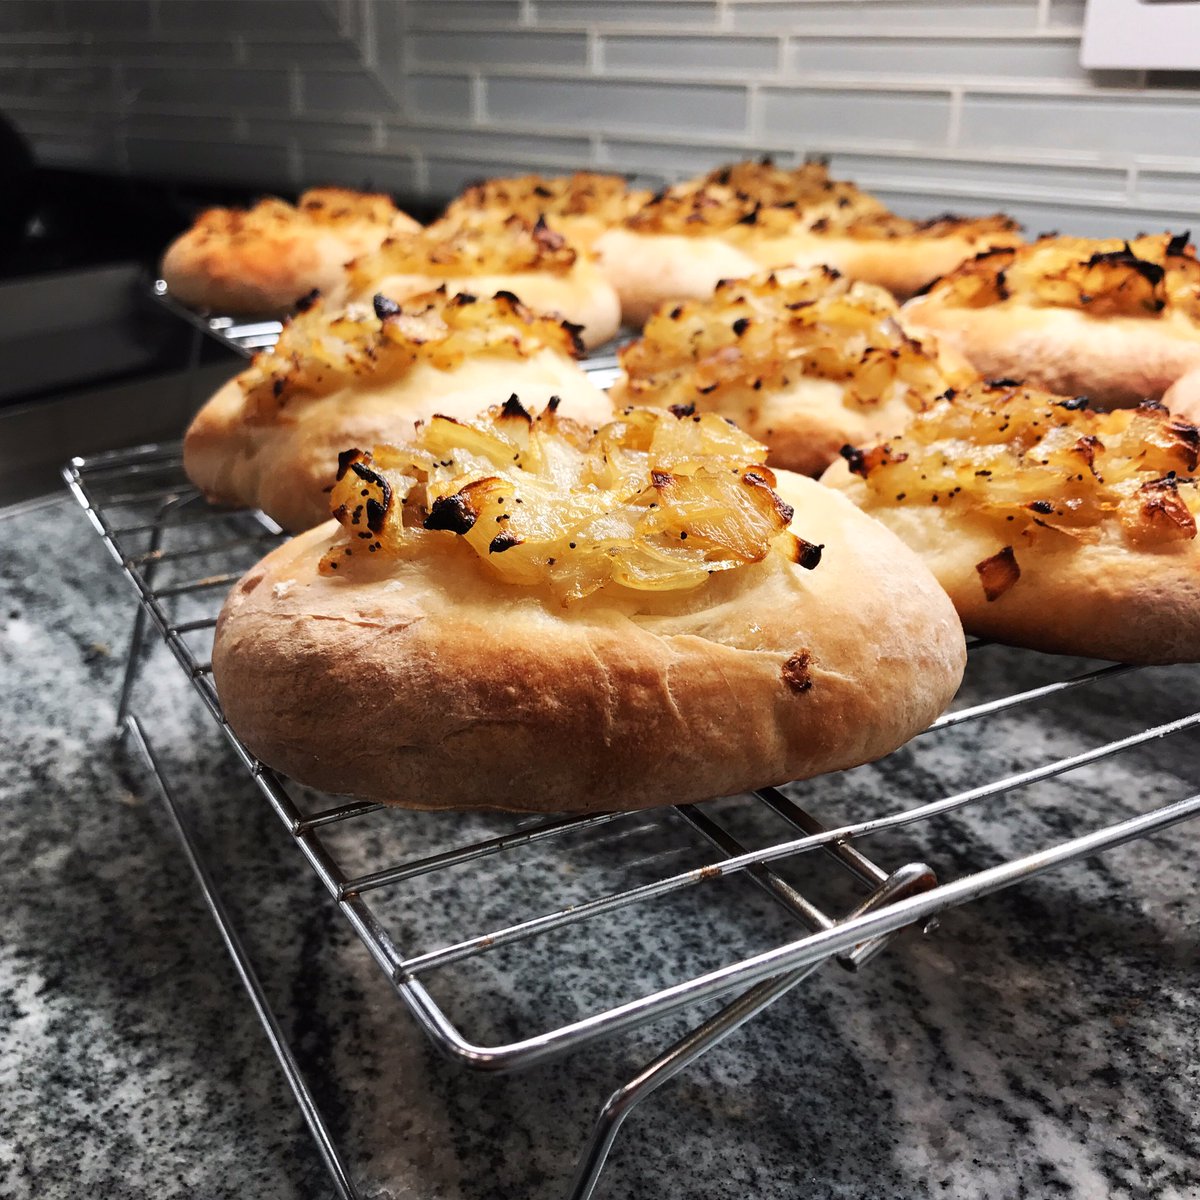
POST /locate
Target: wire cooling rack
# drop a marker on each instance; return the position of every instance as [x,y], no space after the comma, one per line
[758,855]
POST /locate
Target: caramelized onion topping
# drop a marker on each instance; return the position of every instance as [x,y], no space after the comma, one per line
[757,198]
[773,329]
[1037,466]
[650,502]
[474,244]
[583,194]
[1139,278]
[321,351]
[752,196]
[319,207]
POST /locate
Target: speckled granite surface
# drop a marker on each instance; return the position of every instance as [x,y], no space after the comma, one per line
[1045,1042]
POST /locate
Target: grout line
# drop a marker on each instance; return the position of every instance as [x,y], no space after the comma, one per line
[478,99]
[595,52]
[954,126]
[295,97]
[367,41]
[295,162]
[754,115]
[420,172]
[1043,14]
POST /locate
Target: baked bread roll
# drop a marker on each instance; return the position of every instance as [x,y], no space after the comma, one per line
[270,438]
[262,260]
[803,360]
[1050,526]
[580,206]
[516,614]
[485,254]
[1116,321]
[739,219]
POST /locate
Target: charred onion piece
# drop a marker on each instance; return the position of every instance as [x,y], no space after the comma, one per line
[998,573]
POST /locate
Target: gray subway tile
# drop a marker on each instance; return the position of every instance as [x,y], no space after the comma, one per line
[345,91]
[625,12]
[1114,124]
[28,16]
[495,147]
[262,166]
[826,117]
[665,53]
[60,80]
[526,48]
[194,127]
[426,14]
[359,169]
[270,16]
[1067,13]
[932,59]
[185,85]
[107,15]
[871,15]
[77,151]
[308,131]
[598,104]
[317,52]
[1180,189]
[998,182]
[440,97]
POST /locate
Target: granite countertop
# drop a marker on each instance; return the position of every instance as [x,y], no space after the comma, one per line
[1043,1042]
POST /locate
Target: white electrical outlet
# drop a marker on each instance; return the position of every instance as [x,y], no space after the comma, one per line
[1153,34]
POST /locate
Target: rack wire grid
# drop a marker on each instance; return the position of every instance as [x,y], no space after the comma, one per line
[181,556]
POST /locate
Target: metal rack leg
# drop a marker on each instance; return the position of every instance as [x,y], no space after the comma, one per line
[685,1051]
[304,1098]
[914,877]
[137,639]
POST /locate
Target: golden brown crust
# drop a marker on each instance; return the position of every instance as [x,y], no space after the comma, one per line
[804,361]
[581,205]
[1116,321]
[1183,396]
[484,255]
[261,260]
[442,687]
[1049,526]
[270,438]
[649,269]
